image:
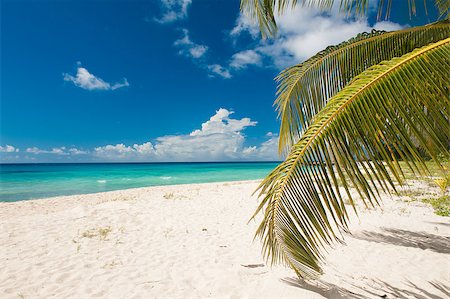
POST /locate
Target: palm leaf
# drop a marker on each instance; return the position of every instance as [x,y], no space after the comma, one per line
[264,11]
[304,89]
[354,141]
[443,7]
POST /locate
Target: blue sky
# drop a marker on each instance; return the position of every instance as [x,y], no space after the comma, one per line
[160,80]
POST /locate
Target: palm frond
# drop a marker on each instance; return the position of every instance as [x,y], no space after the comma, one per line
[304,89]
[354,141]
[264,11]
[443,7]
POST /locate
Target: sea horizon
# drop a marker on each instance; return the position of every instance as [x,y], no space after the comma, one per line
[158,162]
[26,181]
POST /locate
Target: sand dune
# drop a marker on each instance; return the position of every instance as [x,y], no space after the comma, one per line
[193,241]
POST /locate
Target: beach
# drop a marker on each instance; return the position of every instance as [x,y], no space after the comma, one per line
[196,241]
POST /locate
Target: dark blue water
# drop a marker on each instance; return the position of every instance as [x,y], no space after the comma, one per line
[32,181]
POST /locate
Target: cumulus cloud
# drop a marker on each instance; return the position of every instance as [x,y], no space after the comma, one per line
[84,79]
[267,151]
[188,47]
[221,123]
[244,25]
[243,59]
[173,10]
[121,151]
[220,138]
[214,147]
[304,31]
[238,61]
[8,149]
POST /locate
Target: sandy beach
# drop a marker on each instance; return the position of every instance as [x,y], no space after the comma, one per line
[193,241]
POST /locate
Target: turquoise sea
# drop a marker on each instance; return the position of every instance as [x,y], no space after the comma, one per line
[32,181]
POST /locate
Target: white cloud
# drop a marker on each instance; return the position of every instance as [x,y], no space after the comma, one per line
[121,151]
[188,47]
[61,151]
[214,147]
[305,31]
[88,81]
[34,150]
[388,26]
[221,123]
[219,139]
[173,10]
[119,85]
[196,51]
[75,151]
[145,148]
[8,149]
[218,70]
[243,59]
[244,24]
[268,150]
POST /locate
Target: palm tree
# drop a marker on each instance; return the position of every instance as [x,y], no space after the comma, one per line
[348,116]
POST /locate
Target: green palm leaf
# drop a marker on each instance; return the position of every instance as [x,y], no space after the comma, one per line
[264,11]
[355,139]
[304,89]
[443,6]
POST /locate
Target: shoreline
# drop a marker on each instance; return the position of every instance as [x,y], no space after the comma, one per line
[195,241]
[29,182]
[132,189]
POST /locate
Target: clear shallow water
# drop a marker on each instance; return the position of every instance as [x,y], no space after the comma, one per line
[32,181]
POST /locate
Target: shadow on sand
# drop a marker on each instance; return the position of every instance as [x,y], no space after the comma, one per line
[439,223]
[378,288]
[406,238]
[382,290]
[325,289]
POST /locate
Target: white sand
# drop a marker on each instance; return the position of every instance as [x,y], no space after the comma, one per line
[193,241]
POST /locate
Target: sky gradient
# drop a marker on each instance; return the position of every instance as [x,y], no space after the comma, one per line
[166,80]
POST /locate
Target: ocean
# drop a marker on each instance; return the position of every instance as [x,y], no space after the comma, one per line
[34,181]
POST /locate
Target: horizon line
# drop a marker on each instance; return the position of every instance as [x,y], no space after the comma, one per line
[183,162]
